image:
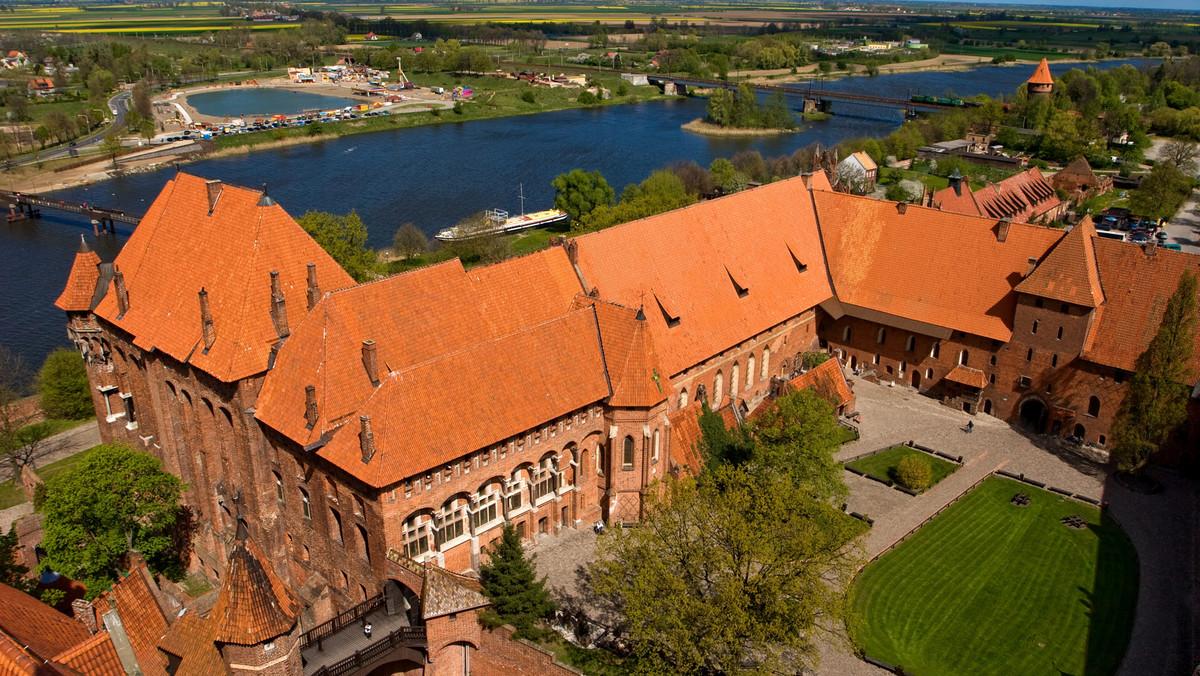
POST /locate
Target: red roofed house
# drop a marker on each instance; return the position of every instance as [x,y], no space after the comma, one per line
[1079,181]
[1025,198]
[363,433]
[41,87]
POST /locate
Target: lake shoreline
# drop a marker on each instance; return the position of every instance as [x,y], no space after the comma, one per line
[699,126]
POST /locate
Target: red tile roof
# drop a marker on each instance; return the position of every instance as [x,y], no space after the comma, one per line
[965,375]
[81,282]
[94,657]
[1069,272]
[414,318]
[709,275]
[254,606]
[827,380]
[182,246]
[685,438]
[141,616]
[1041,74]
[37,627]
[1023,197]
[504,386]
[927,265]
[1136,289]
[16,660]
[191,640]
[638,380]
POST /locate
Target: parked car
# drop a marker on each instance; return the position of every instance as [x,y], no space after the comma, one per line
[1172,247]
[1140,238]
[1161,235]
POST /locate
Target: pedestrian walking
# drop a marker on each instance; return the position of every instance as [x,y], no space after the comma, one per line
[970,426]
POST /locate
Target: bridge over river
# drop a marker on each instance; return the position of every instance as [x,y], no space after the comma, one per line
[23,205]
[819,97]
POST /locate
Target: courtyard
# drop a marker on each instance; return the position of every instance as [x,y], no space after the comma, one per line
[1161,527]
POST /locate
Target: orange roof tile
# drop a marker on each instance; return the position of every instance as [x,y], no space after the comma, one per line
[254,605]
[413,318]
[864,160]
[818,180]
[15,660]
[927,265]
[1021,197]
[965,375]
[633,368]
[674,265]
[445,592]
[191,640]
[685,437]
[508,385]
[141,616]
[81,282]
[182,246]
[36,626]
[827,380]
[94,657]
[1069,271]
[1041,74]
[1076,173]
[1136,290]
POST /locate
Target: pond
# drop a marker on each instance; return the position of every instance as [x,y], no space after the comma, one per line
[262,101]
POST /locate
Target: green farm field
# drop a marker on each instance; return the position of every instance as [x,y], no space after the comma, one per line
[991,588]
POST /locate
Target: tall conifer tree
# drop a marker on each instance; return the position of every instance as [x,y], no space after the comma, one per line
[510,583]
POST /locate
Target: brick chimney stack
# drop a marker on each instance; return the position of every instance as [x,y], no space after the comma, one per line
[122,294]
[85,614]
[366,439]
[1032,267]
[370,360]
[278,307]
[956,179]
[310,406]
[1002,229]
[901,207]
[314,291]
[206,322]
[214,192]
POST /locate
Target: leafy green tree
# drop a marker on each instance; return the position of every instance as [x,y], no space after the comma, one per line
[344,238]
[798,437]
[409,241]
[114,500]
[1155,404]
[510,582]
[661,191]
[22,440]
[579,192]
[111,145]
[914,472]
[141,101]
[733,573]
[1161,192]
[63,386]
[726,176]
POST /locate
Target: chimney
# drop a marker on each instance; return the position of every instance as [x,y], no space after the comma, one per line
[1002,228]
[956,178]
[278,307]
[366,439]
[206,322]
[572,251]
[371,361]
[122,294]
[901,207]
[214,192]
[314,291]
[85,614]
[1032,266]
[310,405]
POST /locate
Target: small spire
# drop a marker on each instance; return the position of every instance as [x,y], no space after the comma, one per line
[83,245]
[641,315]
[265,200]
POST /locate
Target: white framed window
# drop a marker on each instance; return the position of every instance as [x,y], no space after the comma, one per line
[881,336]
[453,523]
[910,344]
[416,536]
[683,398]
[766,364]
[544,479]
[654,451]
[846,334]
[718,387]
[750,371]
[487,508]
[963,357]
[734,376]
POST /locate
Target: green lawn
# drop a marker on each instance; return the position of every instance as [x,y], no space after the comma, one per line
[884,463]
[11,494]
[846,435]
[991,588]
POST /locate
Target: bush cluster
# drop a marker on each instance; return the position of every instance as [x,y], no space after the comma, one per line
[914,472]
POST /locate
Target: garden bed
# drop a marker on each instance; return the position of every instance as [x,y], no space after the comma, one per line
[882,465]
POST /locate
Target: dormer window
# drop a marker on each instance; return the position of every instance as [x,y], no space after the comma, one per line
[670,315]
[800,267]
[741,289]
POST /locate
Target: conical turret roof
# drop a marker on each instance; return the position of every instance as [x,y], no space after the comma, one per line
[254,605]
[1041,75]
[81,283]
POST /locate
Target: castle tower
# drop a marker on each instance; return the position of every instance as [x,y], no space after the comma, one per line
[1041,82]
[254,621]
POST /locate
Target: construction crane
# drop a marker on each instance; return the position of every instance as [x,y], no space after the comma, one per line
[401,78]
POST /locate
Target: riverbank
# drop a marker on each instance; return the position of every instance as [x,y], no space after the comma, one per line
[699,126]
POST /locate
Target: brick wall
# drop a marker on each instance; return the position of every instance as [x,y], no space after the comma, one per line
[491,652]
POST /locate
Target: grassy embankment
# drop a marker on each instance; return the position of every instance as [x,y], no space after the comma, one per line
[11,493]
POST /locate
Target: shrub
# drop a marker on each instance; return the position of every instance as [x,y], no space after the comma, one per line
[314,129]
[587,98]
[914,472]
[63,385]
[527,96]
[458,108]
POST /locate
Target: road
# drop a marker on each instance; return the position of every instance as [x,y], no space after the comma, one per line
[1184,228]
[118,106]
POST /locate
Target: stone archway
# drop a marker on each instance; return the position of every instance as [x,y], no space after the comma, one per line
[1033,415]
[402,601]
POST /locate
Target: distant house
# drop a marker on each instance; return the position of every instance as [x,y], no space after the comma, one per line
[857,173]
[1080,182]
[42,87]
[15,59]
[370,36]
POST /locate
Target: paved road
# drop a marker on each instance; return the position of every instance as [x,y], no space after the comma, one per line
[118,105]
[58,447]
[1184,228]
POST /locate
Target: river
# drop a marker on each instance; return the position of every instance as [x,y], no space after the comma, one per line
[435,175]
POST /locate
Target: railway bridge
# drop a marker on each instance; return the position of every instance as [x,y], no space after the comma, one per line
[819,98]
[22,206]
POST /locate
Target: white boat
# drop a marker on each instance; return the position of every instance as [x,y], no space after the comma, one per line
[498,222]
